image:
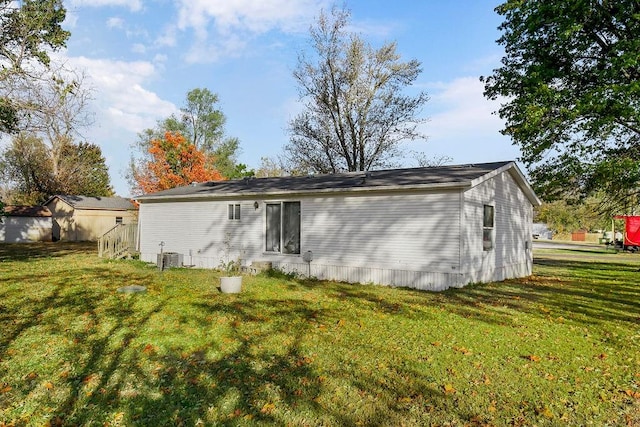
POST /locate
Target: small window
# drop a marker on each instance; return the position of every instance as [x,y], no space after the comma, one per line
[118,220]
[487,227]
[234,212]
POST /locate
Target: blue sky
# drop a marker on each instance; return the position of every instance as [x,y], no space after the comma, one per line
[143,56]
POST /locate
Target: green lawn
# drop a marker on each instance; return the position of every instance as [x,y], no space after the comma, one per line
[559,348]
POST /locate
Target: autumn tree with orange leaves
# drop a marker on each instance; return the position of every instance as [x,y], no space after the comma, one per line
[174,162]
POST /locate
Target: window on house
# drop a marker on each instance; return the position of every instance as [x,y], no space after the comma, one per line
[118,220]
[283,227]
[487,227]
[234,212]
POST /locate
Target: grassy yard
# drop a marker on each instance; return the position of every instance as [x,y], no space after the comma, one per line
[559,348]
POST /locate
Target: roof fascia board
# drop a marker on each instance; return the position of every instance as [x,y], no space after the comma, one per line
[327,191]
[90,208]
[59,198]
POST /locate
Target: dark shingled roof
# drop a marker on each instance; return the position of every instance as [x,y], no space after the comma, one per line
[27,211]
[106,203]
[394,178]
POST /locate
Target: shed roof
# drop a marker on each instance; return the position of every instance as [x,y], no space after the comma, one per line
[87,202]
[454,176]
[27,211]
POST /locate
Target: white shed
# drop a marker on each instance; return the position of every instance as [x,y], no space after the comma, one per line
[25,224]
[427,228]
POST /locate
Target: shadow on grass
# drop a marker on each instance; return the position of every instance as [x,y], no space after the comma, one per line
[40,250]
[107,371]
[583,291]
[258,366]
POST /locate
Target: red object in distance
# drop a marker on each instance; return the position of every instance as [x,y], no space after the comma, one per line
[631,229]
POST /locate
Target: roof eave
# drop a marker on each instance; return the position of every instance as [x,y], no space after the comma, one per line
[291,193]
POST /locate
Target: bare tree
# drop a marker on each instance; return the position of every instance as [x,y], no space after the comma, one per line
[29,31]
[45,157]
[58,110]
[355,113]
[425,161]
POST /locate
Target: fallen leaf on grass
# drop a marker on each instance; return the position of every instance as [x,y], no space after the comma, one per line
[268,408]
[54,422]
[631,393]
[48,385]
[304,361]
[462,350]
[436,343]
[5,389]
[448,389]
[533,358]
[89,378]
[545,412]
[149,349]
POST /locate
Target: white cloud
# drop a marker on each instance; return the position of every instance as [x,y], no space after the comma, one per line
[203,52]
[121,92]
[461,124]
[115,22]
[252,15]
[138,48]
[133,5]
[70,19]
[160,58]
[168,38]
[235,23]
[460,107]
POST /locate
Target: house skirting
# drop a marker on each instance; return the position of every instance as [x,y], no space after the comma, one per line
[422,280]
[499,274]
[428,281]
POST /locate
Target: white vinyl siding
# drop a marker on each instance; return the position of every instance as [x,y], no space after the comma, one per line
[513,215]
[17,229]
[200,231]
[414,232]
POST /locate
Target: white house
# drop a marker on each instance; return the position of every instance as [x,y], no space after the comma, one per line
[426,228]
[25,224]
